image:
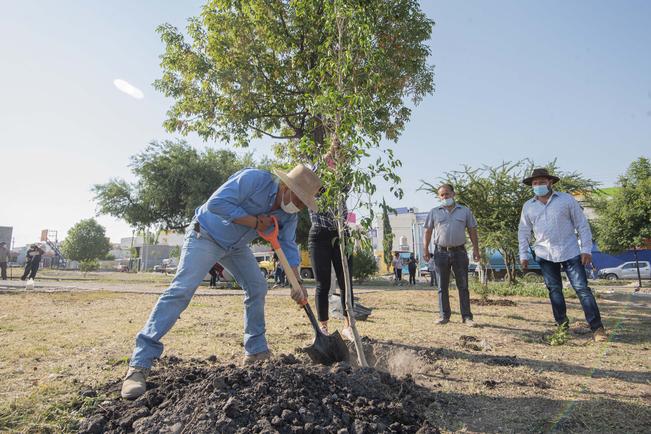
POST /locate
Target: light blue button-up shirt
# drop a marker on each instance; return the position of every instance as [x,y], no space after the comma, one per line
[555,226]
[247,192]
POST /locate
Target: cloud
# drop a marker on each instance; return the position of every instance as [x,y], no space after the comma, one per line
[128,88]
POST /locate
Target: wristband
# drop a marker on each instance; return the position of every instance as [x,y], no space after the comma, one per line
[257,221]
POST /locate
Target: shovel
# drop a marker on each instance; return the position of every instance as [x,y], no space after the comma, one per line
[326,349]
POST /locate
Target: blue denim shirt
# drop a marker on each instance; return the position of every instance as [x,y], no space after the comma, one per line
[247,192]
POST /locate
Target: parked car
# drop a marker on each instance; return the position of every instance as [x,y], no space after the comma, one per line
[628,270]
[265,263]
[496,266]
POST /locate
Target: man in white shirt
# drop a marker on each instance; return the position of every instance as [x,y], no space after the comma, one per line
[556,219]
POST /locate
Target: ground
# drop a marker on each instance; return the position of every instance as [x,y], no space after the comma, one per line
[68,337]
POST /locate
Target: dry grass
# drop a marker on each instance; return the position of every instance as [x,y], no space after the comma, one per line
[55,345]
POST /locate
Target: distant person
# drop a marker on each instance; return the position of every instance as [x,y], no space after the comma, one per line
[555,219]
[397,268]
[4,257]
[33,260]
[411,266]
[449,223]
[432,270]
[216,273]
[280,278]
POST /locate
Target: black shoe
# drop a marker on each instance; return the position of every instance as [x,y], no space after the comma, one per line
[443,321]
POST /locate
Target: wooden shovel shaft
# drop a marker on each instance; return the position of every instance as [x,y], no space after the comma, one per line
[289,271]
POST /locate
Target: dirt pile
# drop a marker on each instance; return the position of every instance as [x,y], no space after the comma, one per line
[284,395]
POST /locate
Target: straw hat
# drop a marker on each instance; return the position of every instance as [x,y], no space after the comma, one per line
[540,173]
[303,182]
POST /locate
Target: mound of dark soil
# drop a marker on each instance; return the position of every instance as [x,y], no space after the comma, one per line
[283,395]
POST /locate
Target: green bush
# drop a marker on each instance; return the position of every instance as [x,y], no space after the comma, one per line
[88,265]
[364,265]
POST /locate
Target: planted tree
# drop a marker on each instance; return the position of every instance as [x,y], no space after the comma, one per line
[496,195]
[331,77]
[624,219]
[86,242]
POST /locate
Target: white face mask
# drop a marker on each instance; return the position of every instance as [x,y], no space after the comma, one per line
[448,201]
[289,208]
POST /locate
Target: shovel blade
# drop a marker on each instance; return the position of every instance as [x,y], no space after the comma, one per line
[327,350]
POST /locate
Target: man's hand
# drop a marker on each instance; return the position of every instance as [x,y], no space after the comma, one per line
[586,258]
[299,295]
[426,255]
[524,263]
[475,254]
[264,222]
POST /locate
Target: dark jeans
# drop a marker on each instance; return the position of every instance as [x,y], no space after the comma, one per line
[213,278]
[3,270]
[323,245]
[398,273]
[412,276]
[457,262]
[578,279]
[31,268]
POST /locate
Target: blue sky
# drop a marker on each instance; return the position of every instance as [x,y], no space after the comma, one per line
[514,79]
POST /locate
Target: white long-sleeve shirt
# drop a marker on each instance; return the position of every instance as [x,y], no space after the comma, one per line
[555,226]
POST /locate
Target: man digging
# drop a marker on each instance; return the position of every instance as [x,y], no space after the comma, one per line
[555,220]
[221,231]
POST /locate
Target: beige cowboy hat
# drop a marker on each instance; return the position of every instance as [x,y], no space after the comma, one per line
[303,182]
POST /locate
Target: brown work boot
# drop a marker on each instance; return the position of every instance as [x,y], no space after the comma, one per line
[250,359]
[600,335]
[135,382]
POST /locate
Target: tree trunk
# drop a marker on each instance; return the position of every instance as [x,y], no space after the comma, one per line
[483,275]
[508,265]
[637,265]
[361,357]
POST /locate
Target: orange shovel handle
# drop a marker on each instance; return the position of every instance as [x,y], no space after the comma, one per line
[272,236]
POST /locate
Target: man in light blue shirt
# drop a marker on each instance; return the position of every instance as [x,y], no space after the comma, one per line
[221,231]
[556,219]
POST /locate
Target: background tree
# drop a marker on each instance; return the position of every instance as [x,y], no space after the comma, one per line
[172,179]
[496,195]
[364,264]
[624,219]
[86,241]
[387,236]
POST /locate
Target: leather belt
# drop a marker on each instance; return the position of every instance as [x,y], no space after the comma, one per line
[461,248]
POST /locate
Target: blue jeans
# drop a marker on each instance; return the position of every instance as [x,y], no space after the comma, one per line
[458,262]
[578,279]
[198,256]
